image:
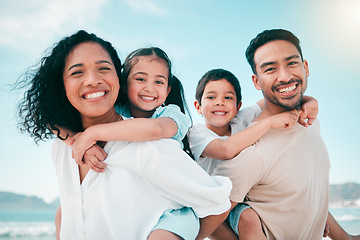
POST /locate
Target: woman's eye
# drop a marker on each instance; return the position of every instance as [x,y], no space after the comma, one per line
[140,79]
[228,97]
[210,97]
[104,69]
[76,73]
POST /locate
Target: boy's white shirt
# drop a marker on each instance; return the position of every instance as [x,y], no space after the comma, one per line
[200,136]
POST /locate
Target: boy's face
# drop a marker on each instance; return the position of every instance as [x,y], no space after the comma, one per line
[218,105]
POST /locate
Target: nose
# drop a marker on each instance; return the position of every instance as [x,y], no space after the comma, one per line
[148,86]
[219,102]
[92,79]
[284,74]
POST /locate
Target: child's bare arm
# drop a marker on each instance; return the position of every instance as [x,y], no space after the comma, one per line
[135,130]
[229,148]
[309,108]
[336,232]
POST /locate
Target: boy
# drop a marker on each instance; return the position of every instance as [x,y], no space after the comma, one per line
[218,99]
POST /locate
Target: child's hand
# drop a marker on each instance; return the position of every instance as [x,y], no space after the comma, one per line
[326,231]
[94,156]
[310,110]
[82,142]
[284,120]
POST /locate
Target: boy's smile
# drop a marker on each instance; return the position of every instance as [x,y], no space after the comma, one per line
[218,106]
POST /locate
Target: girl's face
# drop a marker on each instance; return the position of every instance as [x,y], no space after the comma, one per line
[91,81]
[147,85]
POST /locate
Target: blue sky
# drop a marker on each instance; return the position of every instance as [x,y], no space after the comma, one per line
[198,36]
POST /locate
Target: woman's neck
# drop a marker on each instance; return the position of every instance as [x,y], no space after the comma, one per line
[111,116]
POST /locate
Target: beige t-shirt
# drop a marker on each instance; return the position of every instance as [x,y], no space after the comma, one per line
[285,177]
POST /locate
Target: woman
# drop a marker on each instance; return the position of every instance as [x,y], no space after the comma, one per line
[76,87]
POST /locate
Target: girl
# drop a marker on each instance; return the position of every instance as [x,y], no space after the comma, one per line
[75,88]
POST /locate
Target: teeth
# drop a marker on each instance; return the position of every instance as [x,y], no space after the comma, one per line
[94,95]
[147,98]
[287,90]
[219,113]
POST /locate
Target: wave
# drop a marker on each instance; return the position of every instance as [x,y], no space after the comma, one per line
[26,229]
[348,218]
[345,204]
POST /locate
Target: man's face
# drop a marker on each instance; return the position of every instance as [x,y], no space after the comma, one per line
[281,74]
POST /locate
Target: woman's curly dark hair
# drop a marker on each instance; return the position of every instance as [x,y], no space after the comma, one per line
[45,105]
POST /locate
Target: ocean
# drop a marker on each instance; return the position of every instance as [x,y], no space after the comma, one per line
[27,224]
[39,224]
[348,218]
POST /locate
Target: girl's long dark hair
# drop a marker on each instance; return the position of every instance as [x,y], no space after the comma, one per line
[45,105]
[176,95]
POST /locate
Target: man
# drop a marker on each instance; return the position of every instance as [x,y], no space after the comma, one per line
[285,175]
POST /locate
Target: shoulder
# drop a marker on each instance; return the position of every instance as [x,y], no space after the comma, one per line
[123,110]
[244,117]
[199,130]
[171,111]
[166,109]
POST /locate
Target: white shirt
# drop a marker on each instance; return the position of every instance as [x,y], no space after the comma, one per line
[200,136]
[141,181]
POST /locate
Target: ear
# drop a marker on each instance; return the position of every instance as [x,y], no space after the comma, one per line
[197,106]
[168,90]
[306,67]
[239,105]
[256,82]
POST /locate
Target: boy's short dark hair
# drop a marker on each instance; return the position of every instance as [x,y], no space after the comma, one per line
[269,36]
[215,75]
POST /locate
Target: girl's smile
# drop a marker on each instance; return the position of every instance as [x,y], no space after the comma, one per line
[148,85]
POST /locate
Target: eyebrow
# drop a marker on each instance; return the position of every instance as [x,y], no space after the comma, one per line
[293,56]
[211,92]
[286,59]
[80,64]
[144,73]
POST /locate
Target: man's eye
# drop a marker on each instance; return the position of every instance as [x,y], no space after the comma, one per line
[270,69]
[210,97]
[293,63]
[228,97]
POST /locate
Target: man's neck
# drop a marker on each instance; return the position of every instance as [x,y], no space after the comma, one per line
[269,110]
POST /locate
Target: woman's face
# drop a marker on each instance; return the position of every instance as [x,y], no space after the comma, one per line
[90,80]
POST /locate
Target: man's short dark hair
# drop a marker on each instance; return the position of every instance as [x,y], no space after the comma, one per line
[269,36]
